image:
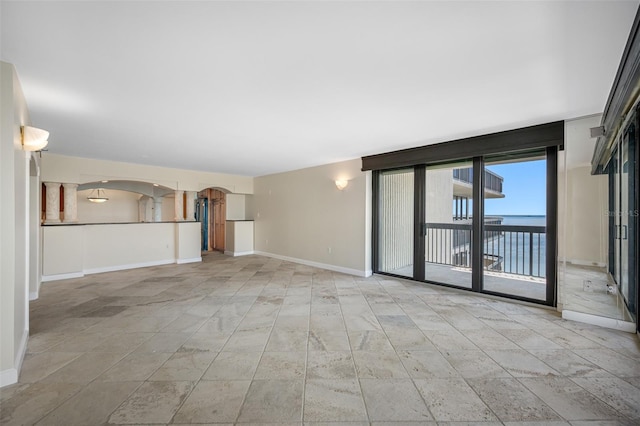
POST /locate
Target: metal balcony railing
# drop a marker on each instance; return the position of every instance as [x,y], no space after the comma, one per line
[492,181]
[511,249]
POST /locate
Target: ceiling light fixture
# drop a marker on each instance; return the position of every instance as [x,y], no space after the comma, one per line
[33,139]
[98,196]
[341,184]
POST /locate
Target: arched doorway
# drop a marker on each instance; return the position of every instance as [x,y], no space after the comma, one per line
[211,210]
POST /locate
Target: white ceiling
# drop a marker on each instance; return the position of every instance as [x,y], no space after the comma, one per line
[254,88]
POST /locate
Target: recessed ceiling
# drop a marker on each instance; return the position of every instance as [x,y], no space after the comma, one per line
[254,88]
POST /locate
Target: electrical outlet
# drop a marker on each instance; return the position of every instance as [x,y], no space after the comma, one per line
[329,250]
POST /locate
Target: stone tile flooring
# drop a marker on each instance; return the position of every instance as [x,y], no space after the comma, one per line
[254,340]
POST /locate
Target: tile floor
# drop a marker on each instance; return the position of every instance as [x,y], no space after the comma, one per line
[254,340]
[595,300]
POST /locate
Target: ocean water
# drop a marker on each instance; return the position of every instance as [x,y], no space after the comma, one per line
[515,247]
[523,220]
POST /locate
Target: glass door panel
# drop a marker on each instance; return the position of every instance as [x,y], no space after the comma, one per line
[624,219]
[514,240]
[628,220]
[616,203]
[447,231]
[396,222]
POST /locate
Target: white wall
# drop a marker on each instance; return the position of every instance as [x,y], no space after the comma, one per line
[301,215]
[14,227]
[60,168]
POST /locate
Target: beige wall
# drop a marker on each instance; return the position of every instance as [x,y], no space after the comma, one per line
[239,237]
[168,208]
[586,220]
[236,207]
[60,168]
[76,250]
[14,227]
[583,198]
[121,207]
[35,209]
[301,215]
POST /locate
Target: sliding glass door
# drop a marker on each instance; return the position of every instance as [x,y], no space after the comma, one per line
[448,209]
[623,211]
[515,239]
[395,227]
[480,224]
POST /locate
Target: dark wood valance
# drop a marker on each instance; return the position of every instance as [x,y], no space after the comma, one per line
[523,139]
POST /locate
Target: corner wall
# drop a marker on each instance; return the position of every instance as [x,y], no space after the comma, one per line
[14,227]
[302,216]
[582,198]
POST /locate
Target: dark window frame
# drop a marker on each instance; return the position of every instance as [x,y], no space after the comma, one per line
[549,136]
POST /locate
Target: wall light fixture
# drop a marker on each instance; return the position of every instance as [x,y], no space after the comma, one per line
[33,139]
[341,184]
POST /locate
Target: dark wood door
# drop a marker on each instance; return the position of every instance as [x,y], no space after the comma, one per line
[218,220]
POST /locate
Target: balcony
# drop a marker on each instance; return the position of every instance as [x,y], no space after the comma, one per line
[514,256]
[463,183]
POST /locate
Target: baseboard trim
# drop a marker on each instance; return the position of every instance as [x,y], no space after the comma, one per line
[238,253]
[349,271]
[614,324]
[129,266]
[579,262]
[22,350]
[58,277]
[34,295]
[91,271]
[189,260]
[10,375]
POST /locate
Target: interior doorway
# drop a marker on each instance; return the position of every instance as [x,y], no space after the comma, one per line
[211,211]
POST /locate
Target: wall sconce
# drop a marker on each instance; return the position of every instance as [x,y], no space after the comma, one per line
[596,132]
[341,184]
[33,139]
[98,196]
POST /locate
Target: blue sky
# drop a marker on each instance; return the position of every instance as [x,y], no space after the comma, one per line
[524,187]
